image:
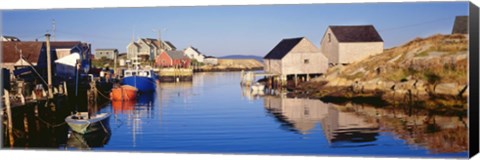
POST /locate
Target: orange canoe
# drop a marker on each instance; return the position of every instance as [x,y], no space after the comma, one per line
[123,93]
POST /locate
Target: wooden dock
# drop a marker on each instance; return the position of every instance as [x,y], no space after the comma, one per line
[175,74]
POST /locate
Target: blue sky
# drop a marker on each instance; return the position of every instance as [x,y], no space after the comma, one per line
[226,30]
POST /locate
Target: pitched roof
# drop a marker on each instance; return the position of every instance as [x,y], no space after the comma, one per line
[11,37]
[282,48]
[64,44]
[176,54]
[30,51]
[360,33]
[105,49]
[460,25]
[168,43]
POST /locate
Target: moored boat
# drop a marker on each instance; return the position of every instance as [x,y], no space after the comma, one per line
[124,93]
[83,124]
[142,79]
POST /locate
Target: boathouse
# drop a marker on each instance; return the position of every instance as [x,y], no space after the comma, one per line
[108,53]
[295,58]
[172,59]
[460,25]
[347,44]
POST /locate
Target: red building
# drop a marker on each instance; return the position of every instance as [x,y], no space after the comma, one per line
[172,59]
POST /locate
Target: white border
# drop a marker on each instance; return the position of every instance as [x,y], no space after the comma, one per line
[49,4]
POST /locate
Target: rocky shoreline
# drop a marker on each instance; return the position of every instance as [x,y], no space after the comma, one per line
[427,73]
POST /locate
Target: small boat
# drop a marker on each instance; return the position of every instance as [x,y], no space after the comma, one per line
[258,87]
[123,93]
[87,141]
[83,124]
[142,79]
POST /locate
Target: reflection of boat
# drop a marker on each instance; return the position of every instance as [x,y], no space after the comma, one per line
[258,87]
[83,124]
[122,106]
[87,141]
[142,79]
[123,93]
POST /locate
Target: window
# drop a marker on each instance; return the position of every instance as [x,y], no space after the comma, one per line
[329,37]
[306,61]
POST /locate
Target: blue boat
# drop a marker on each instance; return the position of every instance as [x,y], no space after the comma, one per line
[142,79]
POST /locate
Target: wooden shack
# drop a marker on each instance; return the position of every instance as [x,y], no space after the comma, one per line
[347,44]
[294,59]
[460,25]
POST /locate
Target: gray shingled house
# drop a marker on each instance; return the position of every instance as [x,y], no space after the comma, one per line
[460,25]
[295,57]
[347,44]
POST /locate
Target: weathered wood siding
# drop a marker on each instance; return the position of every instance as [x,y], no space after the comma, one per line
[273,66]
[356,51]
[329,48]
[295,61]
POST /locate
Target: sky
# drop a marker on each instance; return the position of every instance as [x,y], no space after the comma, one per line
[228,30]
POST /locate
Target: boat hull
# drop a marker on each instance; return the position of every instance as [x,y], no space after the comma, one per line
[85,126]
[143,84]
[124,93]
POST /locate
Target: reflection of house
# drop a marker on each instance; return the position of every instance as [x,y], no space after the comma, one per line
[172,59]
[347,44]
[105,53]
[460,25]
[148,48]
[194,54]
[10,39]
[210,60]
[303,114]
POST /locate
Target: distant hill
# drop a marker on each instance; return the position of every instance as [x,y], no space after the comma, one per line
[258,58]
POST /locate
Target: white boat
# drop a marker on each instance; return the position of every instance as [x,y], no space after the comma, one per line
[83,124]
[258,87]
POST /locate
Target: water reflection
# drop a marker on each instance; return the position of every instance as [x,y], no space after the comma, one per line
[359,125]
[302,115]
[87,141]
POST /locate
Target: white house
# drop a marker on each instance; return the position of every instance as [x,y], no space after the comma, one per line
[210,60]
[347,44]
[194,54]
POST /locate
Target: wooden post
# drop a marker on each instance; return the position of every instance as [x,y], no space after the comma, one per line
[65,88]
[49,66]
[9,116]
[296,80]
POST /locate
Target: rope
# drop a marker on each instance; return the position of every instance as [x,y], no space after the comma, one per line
[50,125]
[104,129]
[102,94]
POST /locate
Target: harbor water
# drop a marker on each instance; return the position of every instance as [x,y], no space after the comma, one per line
[214,114]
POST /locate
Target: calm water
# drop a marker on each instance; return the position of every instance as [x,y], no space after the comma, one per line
[213,114]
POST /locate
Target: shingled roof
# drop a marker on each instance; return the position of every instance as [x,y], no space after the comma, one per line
[30,51]
[282,48]
[460,25]
[170,45]
[176,54]
[361,33]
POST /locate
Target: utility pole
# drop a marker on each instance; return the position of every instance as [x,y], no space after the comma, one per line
[49,67]
[53,29]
